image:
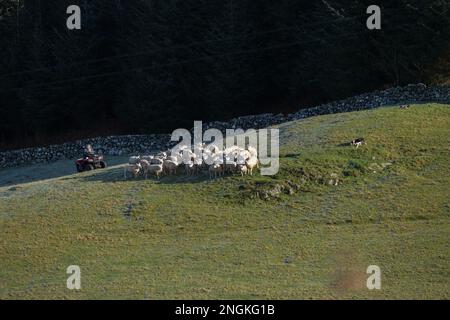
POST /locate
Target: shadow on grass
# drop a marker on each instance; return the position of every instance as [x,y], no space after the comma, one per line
[34,173]
[344,144]
[46,171]
[113,175]
[290,155]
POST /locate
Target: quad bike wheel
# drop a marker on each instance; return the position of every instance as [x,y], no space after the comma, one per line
[88,167]
[102,164]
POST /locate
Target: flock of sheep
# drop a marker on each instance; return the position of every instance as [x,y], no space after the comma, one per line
[214,161]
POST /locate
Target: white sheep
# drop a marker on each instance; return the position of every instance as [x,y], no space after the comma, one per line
[190,168]
[133,159]
[230,165]
[187,156]
[162,155]
[156,169]
[214,160]
[198,165]
[215,170]
[157,161]
[251,164]
[134,169]
[241,158]
[145,165]
[148,158]
[245,154]
[170,167]
[174,159]
[176,156]
[253,151]
[242,169]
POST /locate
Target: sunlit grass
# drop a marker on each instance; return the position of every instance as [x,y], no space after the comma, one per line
[195,238]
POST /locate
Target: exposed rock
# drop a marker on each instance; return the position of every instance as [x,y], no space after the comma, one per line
[375,167]
[275,191]
[334,181]
[386,164]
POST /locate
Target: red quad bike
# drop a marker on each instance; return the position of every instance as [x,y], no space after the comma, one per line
[90,163]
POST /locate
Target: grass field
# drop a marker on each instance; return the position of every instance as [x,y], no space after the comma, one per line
[191,238]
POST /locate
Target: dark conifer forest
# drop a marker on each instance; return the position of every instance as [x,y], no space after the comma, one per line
[150,66]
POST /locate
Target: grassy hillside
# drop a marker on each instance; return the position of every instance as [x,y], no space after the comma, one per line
[285,237]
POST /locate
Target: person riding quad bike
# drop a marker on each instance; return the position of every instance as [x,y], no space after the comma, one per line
[88,152]
[90,160]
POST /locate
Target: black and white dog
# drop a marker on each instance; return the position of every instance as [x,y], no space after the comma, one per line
[358,142]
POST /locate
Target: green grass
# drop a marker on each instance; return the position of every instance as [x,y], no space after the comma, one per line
[184,238]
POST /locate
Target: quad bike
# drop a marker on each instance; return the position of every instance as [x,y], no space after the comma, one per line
[89,163]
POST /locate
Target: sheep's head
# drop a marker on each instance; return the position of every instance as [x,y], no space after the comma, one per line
[242,167]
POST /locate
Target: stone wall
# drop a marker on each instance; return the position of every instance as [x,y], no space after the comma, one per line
[113,145]
[141,144]
[414,93]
